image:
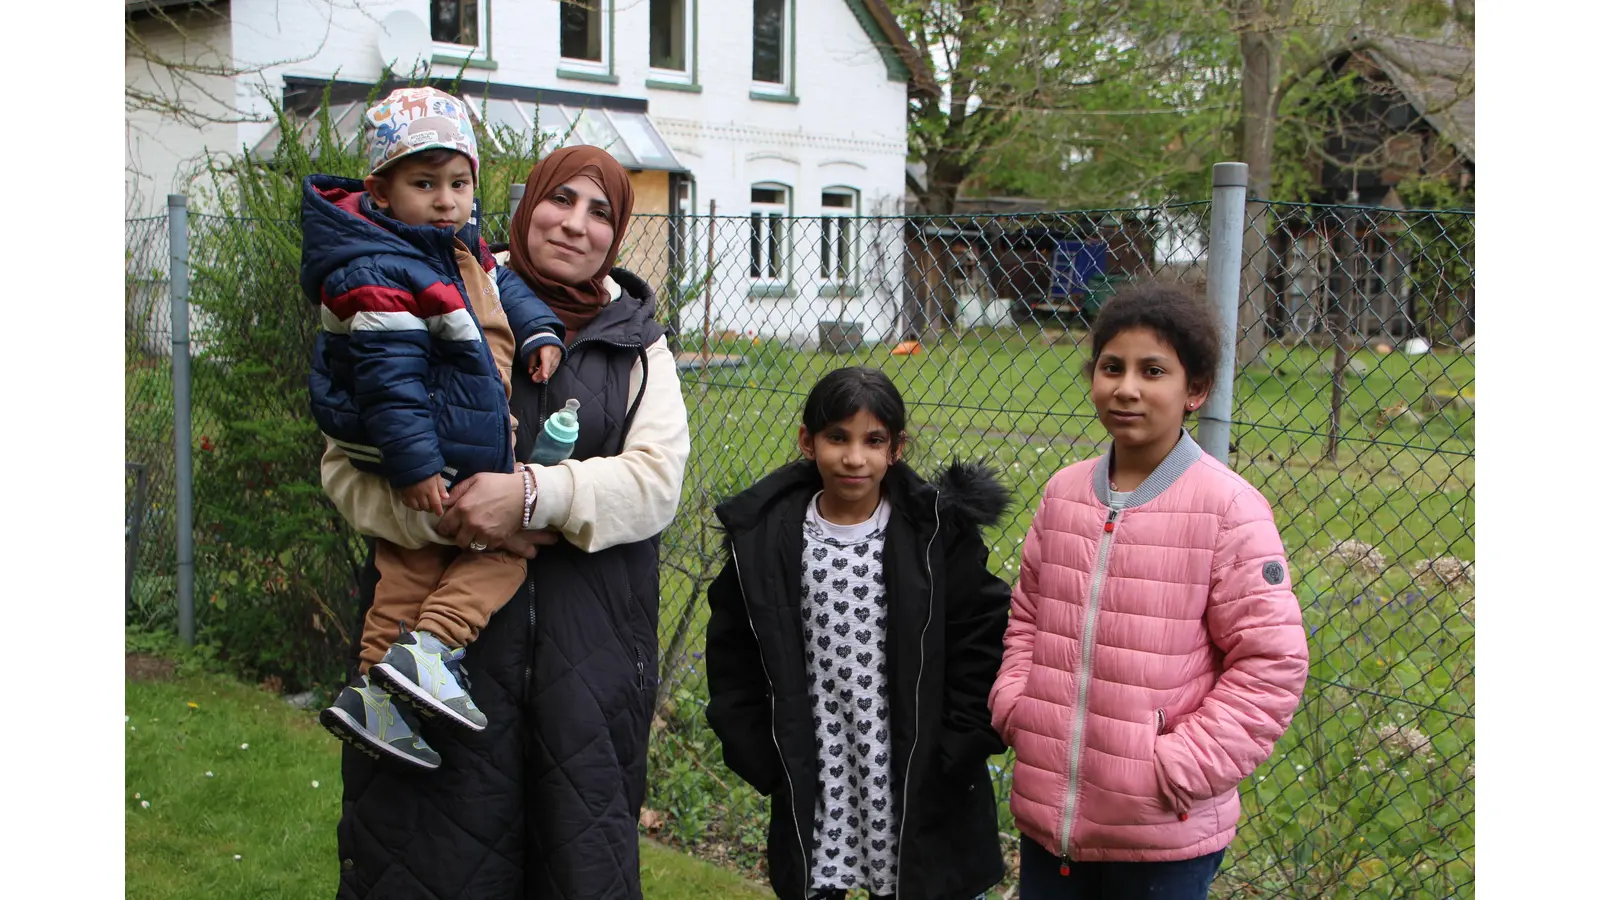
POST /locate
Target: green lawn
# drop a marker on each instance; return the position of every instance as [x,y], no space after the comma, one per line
[232,793]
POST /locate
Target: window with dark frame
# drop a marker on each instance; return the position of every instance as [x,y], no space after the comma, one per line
[769,45]
[769,207]
[838,235]
[669,34]
[454,21]
[581,30]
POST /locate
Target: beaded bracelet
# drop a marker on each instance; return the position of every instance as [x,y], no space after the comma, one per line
[527,498]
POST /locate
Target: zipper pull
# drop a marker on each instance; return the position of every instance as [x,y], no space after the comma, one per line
[1066,867]
[1111,521]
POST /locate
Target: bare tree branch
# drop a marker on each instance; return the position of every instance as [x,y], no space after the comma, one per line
[188,80]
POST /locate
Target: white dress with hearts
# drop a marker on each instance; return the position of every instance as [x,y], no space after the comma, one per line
[844,610]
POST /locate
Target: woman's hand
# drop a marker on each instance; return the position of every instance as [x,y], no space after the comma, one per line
[526,544]
[486,509]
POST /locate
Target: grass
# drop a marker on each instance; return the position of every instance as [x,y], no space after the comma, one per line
[1022,406]
[243,793]
[243,798]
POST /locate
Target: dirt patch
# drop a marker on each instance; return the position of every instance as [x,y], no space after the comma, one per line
[144,667]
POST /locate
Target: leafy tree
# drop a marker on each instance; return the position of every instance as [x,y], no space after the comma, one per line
[1110,102]
[1033,90]
[1286,49]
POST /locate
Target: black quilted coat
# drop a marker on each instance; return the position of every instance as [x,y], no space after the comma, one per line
[545,802]
[947,622]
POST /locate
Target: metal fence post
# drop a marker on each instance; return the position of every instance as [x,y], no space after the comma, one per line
[1224,254]
[182,439]
[517,191]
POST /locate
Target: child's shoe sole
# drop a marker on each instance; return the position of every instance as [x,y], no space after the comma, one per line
[348,730]
[426,705]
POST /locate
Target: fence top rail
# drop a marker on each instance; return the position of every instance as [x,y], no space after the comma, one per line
[961,216]
[1363,208]
[224,217]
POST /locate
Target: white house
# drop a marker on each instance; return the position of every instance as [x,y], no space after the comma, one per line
[772,109]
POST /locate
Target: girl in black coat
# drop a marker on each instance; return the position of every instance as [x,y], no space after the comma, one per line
[855,633]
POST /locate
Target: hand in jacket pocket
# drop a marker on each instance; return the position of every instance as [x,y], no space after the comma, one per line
[1174,797]
[1004,702]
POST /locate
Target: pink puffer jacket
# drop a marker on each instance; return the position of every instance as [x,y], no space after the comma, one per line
[1152,659]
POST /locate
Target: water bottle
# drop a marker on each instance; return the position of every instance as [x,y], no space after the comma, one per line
[556,438]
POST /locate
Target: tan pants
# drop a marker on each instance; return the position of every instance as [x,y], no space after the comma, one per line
[444,590]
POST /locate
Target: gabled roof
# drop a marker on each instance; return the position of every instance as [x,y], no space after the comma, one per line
[904,63]
[1437,78]
[620,125]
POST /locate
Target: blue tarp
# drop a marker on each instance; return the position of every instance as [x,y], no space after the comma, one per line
[1072,265]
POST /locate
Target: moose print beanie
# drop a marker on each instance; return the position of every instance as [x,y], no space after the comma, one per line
[411,120]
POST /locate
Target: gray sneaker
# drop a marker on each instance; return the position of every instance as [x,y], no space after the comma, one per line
[426,674]
[368,719]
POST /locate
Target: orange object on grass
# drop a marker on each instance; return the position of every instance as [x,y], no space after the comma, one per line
[906,348]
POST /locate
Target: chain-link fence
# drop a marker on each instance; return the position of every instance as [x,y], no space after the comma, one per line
[150,526]
[1354,415]
[1355,418]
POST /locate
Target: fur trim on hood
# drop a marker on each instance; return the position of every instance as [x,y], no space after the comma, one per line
[973,491]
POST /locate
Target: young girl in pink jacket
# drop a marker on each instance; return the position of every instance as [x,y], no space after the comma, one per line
[1155,651]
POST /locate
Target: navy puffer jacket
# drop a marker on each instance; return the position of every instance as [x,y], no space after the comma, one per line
[401,376]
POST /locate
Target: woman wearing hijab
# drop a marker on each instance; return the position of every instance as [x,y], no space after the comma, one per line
[544,803]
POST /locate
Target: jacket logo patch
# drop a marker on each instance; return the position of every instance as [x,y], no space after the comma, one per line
[1273,572]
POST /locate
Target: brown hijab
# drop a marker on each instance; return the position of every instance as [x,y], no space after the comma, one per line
[575,304]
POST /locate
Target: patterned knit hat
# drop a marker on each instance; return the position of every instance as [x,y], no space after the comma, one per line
[411,120]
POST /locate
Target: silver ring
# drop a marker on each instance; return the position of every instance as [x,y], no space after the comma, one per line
[478,546]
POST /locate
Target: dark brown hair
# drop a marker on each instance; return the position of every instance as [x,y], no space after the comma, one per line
[1175,314]
[435,156]
[842,393]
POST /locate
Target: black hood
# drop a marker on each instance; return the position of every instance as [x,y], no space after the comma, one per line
[974,492]
[628,319]
[968,491]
